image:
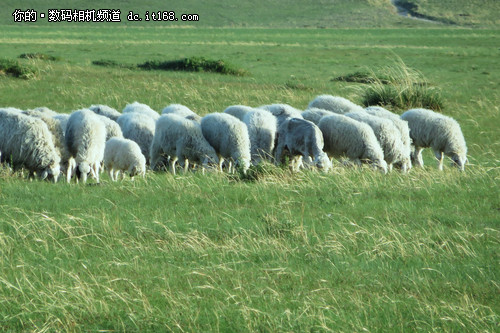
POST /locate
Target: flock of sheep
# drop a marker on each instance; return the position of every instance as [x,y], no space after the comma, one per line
[47,143]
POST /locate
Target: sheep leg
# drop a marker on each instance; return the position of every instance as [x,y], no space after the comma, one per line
[440,156]
[111,173]
[172,165]
[221,161]
[186,165]
[417,157]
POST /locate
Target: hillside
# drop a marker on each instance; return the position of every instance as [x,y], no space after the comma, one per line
[274,13]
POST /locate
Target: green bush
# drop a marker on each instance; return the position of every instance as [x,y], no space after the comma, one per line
[194,64]
[16,69]
[40,56]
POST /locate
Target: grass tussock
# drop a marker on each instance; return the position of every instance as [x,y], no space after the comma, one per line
[194,64]
[112,64]
[39,56]
[361,77]
[17,69]
[402,88]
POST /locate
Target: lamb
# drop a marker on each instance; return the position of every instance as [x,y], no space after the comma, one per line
[105,111]
[354,139]
[85,140]
[112,127]
[123,155]
[238,111]
[389,138]
[301,138]
[177,138]
[440,132]
[334,103]
[315,114]
[27,142]
[282,112]
[262,127]
[229,137]
[137,107]
[139,128]
[181,110]
[400,124]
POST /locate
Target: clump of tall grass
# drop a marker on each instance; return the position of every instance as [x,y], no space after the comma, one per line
[402,87]
[40,56]
[361,77]
[194,64]
[112,63]
[16,69]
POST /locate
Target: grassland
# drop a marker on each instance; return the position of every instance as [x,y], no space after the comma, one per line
[352,250]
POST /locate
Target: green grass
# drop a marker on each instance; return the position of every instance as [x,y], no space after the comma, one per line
[272,251]
[15,69]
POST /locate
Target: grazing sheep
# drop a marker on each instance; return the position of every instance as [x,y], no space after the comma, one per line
[335,104]
[354,139]
[282,112]
[139,128]
[85,140]
[57,130]
[105,111]
[301,138]
[112,127]
[315,114]
[400,124]
[238,111]
[123,155]
[177,138]
[182,111]
[440,132]
[137,107]
[26,142]
[262,127]
[389,138]
[229,137]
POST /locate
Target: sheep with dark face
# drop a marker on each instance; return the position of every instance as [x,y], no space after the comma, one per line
[301,137]
[439,132]
[177,138]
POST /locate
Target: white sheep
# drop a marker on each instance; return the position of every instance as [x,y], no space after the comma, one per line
[282,112]
[389,138]
[238,111]
[345,136]
[262,127]
[182,111]
[105,111]
[229,137]
[440,132]
[335,104]
[26,142]
[315,114]
[85,140]
[112,127]
[177,138]
[137,107]
[63,120]
[139,128]
[400,124]
[45,111]
[301,137]
[123,155]
[57,130]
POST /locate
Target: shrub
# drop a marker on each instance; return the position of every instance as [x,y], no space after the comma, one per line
[40,56]
[16,69]
[194,64]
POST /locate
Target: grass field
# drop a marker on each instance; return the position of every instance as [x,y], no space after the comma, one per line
[352,250]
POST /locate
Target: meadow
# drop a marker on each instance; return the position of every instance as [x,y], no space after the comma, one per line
[271,251]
